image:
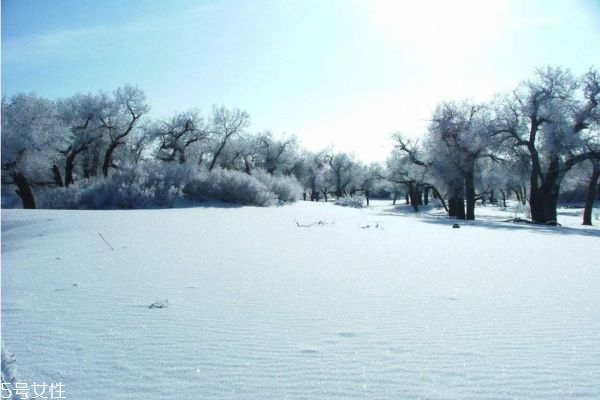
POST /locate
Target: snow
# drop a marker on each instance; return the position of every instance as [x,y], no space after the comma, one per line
[302,301]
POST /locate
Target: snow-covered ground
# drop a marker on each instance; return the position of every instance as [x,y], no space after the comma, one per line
[307,301]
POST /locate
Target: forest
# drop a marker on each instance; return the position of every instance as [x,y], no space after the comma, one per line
[538,143]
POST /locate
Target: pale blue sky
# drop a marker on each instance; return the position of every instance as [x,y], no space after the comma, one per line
[345,73]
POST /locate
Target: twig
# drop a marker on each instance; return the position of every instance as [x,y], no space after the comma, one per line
[159,304]
[105,241]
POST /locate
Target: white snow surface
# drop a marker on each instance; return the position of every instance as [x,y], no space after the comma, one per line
[306,301]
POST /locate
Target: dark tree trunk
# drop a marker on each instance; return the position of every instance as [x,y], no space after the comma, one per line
[456,207]
[108,157]
[518,194]
[503,193]
[460,208]
[426,196]
[56,174]
[69,166]
[367,197]
[470,192]
[591,193]
[415,197]
[543,199]
[452,207]
[23,190]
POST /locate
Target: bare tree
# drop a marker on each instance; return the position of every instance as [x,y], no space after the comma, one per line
[224,124]
[119,119]
[341,167]
[177,134]
[82,114]
[460,134]
[551,117]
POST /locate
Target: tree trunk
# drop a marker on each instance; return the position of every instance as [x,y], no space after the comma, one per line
[415,197]
[470,192]
[458,207]
[543,199]
[108,157]
[591,193]
[452,207]
[69,166]
[23,190]
[426,196]
[56,174]
[436,194]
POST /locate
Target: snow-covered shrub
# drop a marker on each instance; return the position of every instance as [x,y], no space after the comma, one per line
[229,186]
[286,188]
[9,197]
[146,185]
[353,201]
[59,198]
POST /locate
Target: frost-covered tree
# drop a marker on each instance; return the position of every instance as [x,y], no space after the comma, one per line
[30,136]
[276,155]
[312,172]
[552,117]
[82,115]
[224,124]
[460,134]
[410,166]
[174,136]
[342,168]
[119,119]
[240,154]
[368,178]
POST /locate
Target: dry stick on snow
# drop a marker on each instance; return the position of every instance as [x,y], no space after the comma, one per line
[105,241]
[159,304]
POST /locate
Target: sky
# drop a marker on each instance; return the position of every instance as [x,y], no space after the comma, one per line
[344,74]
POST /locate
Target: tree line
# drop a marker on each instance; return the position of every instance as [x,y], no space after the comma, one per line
[525,143]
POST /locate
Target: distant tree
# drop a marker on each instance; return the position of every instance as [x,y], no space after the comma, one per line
[177,134]
[312,172]
[138,143]
[411,165]
[276,155]
[368,179]
[225,124]
[119,119]
[342,167]
[460,134]
[240,154]
[82,115]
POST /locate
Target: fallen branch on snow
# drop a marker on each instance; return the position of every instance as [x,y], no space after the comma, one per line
[159,304]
